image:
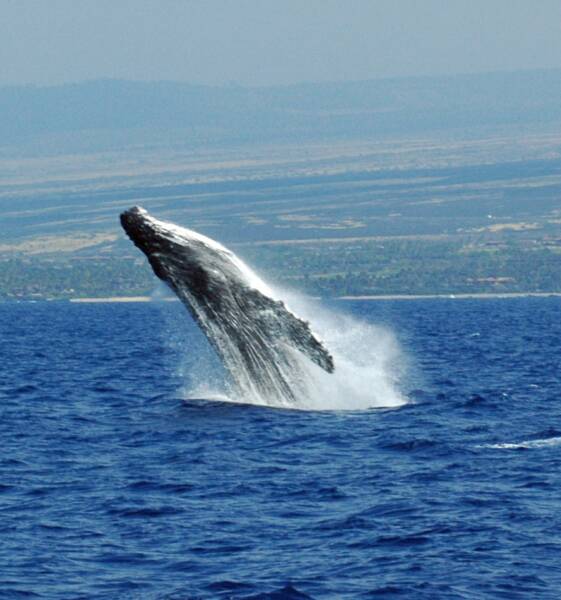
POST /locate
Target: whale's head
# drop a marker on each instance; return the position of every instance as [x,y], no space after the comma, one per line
[185,259]
[152,235]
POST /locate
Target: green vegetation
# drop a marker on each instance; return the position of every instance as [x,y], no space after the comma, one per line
[413,267]
[41,279]
[327,269]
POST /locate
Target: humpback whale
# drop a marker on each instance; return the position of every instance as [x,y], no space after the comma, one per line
[266,349]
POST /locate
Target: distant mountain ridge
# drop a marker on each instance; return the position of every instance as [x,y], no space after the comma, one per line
[235,113]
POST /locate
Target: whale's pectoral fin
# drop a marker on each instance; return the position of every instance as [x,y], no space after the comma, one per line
[280,324]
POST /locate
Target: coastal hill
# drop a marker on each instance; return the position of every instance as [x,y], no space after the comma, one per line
[401,186]
[234,114]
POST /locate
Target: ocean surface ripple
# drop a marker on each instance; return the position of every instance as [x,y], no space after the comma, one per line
[114,485]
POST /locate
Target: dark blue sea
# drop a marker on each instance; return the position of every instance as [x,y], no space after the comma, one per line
[115,484]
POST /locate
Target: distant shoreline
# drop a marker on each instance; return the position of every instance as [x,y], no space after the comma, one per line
[121,299]
[481,296]
[112,299]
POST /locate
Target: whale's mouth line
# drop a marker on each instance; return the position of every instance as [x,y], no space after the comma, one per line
[269,352]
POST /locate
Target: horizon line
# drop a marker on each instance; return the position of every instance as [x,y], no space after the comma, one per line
[246,86]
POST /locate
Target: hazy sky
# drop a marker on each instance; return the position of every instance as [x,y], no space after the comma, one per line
[260,42]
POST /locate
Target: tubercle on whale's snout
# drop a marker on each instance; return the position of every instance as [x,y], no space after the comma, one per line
[136,223]
[132,217]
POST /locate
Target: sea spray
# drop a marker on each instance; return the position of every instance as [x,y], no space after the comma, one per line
[369,363]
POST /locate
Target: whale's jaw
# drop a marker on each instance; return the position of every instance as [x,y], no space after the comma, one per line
[267,350]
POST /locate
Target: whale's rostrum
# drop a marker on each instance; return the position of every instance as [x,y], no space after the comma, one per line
[264,346]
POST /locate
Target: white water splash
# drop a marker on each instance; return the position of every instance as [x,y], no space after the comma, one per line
[369,365]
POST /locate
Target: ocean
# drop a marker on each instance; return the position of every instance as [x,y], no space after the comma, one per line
[126,473]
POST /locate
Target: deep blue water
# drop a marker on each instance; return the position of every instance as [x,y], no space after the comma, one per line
[113,486]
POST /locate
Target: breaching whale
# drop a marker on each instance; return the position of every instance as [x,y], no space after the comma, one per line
[265,347]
